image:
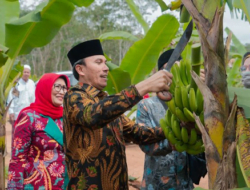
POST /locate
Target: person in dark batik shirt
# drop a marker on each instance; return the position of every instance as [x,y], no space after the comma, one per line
[164,168]
[95,128]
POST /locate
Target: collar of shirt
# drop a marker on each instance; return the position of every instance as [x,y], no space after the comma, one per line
[92,91]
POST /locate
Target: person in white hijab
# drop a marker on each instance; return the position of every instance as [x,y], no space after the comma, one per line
[22,95]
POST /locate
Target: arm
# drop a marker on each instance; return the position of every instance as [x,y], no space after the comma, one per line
[140,134]
[155,149]
[21,145]
[83,110]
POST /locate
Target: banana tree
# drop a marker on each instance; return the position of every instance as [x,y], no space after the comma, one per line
[45,21]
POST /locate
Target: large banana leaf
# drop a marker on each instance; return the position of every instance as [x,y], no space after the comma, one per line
[244,5]
[142,56]
[9,10]
[118,35]
[37,28]
[238,45]
[243,95]
[138,15]
[117,81]
[81,3]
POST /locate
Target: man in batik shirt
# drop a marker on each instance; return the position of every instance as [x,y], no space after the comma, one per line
[164,168]
[95,128]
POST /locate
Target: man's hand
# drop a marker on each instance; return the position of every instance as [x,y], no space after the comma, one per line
[12,118]
[158,82]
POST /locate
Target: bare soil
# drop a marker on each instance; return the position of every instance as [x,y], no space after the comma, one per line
[135,162]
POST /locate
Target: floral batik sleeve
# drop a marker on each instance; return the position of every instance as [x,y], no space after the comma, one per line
[21,144]
[154,149]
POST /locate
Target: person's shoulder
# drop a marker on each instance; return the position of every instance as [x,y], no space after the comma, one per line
[31,81]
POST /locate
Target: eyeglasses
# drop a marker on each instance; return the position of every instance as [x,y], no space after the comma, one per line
[245,67]
[58,88]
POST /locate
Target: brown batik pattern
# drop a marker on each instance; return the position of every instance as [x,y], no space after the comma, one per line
[94,133]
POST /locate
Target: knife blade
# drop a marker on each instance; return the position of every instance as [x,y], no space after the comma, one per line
[180,46]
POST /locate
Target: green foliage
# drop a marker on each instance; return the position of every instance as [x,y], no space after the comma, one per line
[117,35]
[138,15]
[243,95]
[9,10]
[238,45]
[117,81]
[143,54]
[163,5]
[244,5]
[44,22]
[234,75]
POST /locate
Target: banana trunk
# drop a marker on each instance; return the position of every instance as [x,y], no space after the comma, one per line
[209,22]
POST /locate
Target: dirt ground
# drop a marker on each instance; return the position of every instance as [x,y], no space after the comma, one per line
[135,161]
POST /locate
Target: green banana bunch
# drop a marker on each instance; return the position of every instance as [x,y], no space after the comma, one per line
[175,5]
[180,147]
[183,74]
[179,113]
[168,117]
[184,97]
[171,105]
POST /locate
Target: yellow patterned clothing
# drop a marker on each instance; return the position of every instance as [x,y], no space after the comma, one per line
[94,133]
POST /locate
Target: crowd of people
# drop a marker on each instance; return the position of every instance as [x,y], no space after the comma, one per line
[74,138]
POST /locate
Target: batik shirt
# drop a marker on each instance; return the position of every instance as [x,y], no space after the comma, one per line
[94,133]
[38,160]
[164,169]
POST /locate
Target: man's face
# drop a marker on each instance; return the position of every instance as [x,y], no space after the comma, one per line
[26,74]
[247,64]
[95,72]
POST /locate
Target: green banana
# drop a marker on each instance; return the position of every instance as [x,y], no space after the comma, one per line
[184,134]
[194,152]
[199,100]
[184,97]
[196,146]
[164,127]
[177,130]
[175,4]
[168,117]
[171,105]
[175,70]
[188,72]
[201,116]
[173,119]
[193,137]
[180,147]
[180,115]
[192,100]
[172,139]
[177,97]
[188,115]
[183,73]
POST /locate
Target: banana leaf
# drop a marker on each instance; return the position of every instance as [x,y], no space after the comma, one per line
[37,28]
[81,3]
[138,15]
[163,5]
[9,10]
[243,95]
[242,148]
[118,35]
[239,46]
[244,5]
[142,56]
[117,81]
[233,74]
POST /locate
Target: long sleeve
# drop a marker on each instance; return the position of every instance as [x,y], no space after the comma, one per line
[140,134]
[19,163]
[143,119]
[82,110]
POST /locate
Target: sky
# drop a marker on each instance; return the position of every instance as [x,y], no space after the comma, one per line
[240,28]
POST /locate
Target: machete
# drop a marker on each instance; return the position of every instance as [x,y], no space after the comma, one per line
[176,53]
[180,46]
